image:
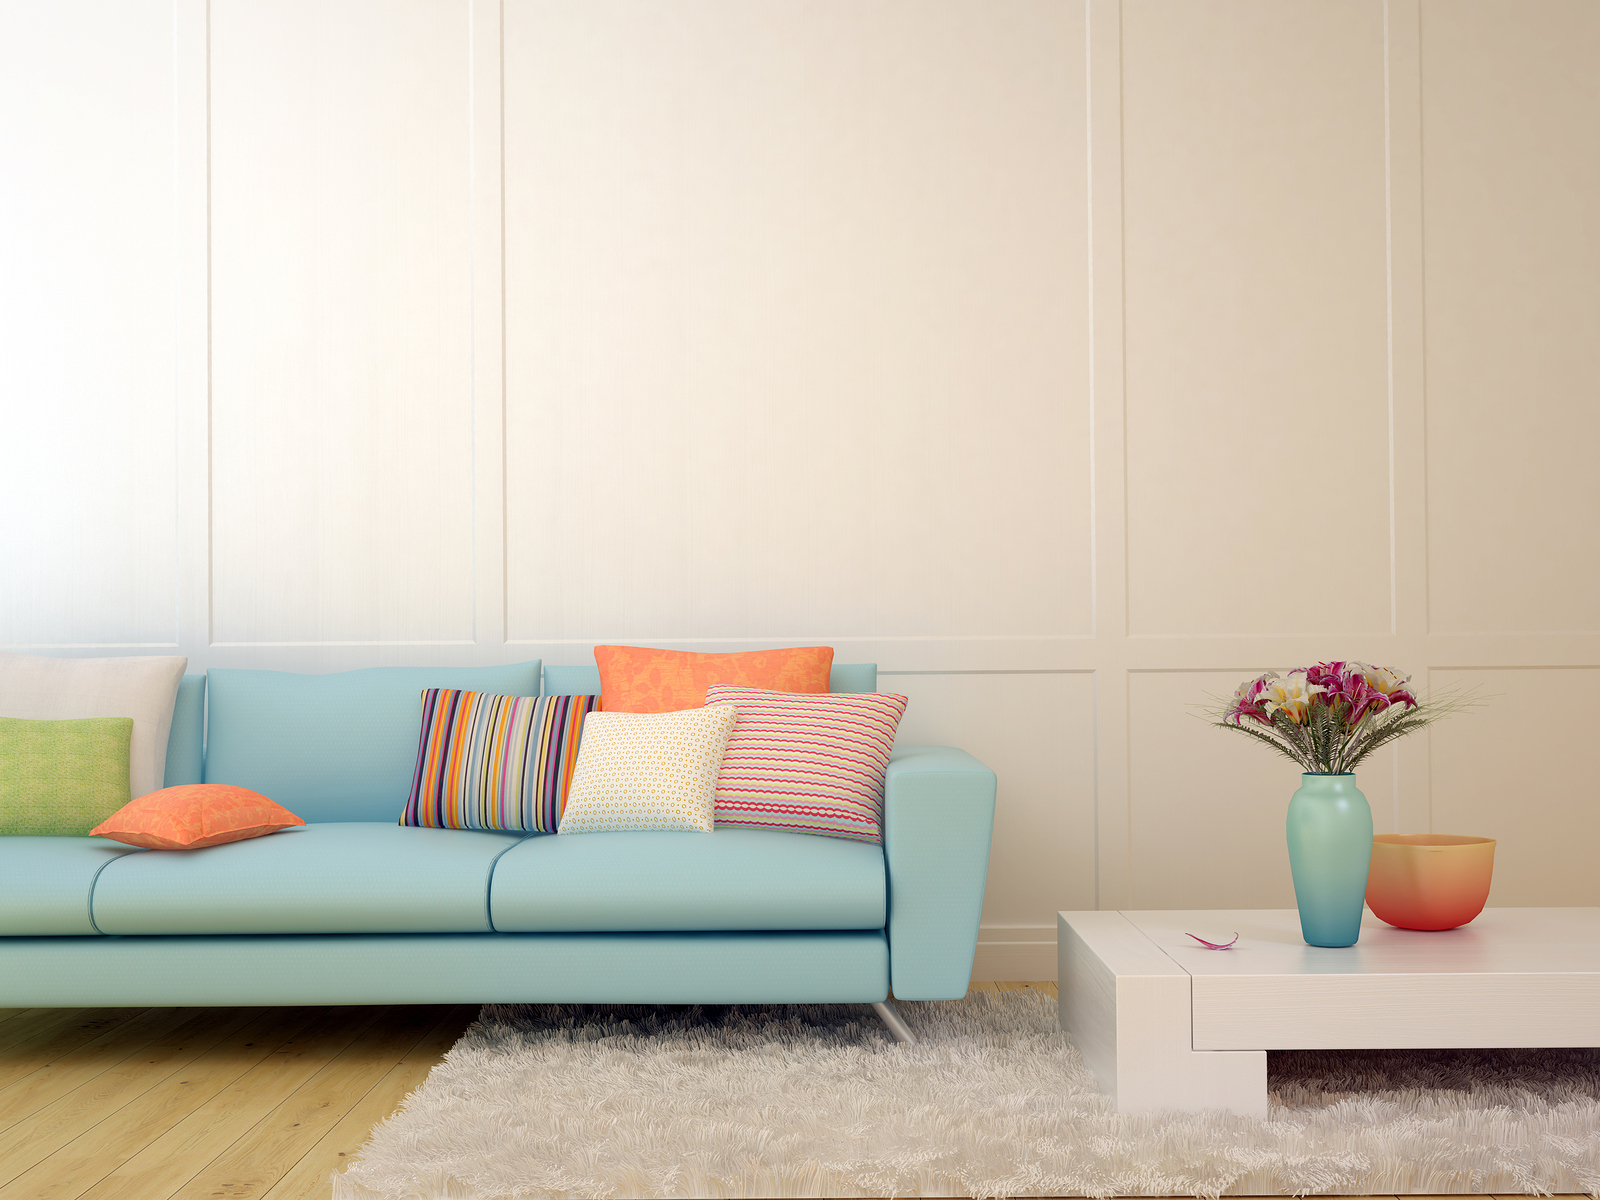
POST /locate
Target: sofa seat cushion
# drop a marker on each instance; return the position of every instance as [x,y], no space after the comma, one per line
[656,880]
[341,877]
[45,883]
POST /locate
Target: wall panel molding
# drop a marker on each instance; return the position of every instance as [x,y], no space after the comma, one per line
[87,241]
[1255,272]
[759,349]
[1510,100]
[342,322]
[718,324]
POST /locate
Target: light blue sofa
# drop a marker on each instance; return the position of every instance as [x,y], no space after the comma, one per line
[356,909]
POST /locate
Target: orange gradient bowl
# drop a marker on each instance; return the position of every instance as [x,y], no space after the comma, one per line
[1429,880]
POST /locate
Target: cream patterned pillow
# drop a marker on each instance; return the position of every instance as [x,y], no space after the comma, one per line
[648,771]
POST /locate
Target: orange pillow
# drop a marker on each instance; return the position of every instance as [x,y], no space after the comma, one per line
[638,679]
[195,815]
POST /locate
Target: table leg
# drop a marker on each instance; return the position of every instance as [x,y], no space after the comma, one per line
[1126,1006]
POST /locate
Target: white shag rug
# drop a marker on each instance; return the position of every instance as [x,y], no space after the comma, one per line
[611,1101]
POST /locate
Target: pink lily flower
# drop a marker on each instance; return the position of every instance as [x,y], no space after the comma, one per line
[1247,701]
[1363,700]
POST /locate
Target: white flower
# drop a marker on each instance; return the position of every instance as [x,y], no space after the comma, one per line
[1382,679]
[1292,695]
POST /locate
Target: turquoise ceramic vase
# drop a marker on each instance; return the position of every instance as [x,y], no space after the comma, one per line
[1330,849]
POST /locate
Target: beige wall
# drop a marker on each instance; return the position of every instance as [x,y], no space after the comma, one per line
[1071,363]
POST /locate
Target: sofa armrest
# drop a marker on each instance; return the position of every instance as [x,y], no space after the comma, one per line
[937,820]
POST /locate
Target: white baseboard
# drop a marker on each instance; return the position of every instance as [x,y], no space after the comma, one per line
[1023,953]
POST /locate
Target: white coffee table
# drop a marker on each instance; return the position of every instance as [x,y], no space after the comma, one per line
[1162,1022]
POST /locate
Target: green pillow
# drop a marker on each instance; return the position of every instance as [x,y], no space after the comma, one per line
[62,778]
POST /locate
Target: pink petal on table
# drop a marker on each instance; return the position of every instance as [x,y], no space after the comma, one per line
[1213,945]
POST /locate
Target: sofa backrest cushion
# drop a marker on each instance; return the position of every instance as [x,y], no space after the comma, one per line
[336,747]
[42,687]
[186,743]
[585,680]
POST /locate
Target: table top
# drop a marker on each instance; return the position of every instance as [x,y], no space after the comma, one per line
[1512,977]
[1499,941]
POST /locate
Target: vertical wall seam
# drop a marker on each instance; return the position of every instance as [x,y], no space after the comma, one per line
[1422,314]
[1127,541]
[1394,763]
[505,460]
[178,552]
[1388,297]
[1089,145]
[1422,399]
[473,255]
[1122,301]
[1095,696]
[210,418]
[1095,629]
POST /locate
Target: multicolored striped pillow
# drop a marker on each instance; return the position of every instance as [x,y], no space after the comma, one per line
[807,763]
[495,762]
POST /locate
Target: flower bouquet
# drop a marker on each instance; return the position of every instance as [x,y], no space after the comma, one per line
[1327,718]
[1330,716]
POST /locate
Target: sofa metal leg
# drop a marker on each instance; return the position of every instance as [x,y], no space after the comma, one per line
[892,1020]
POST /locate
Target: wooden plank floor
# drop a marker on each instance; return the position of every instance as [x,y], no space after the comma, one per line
[243,1103]
[144,1104]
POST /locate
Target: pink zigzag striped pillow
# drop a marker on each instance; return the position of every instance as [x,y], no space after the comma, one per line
[806,763]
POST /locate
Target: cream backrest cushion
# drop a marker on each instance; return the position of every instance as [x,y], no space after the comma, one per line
[39,688]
